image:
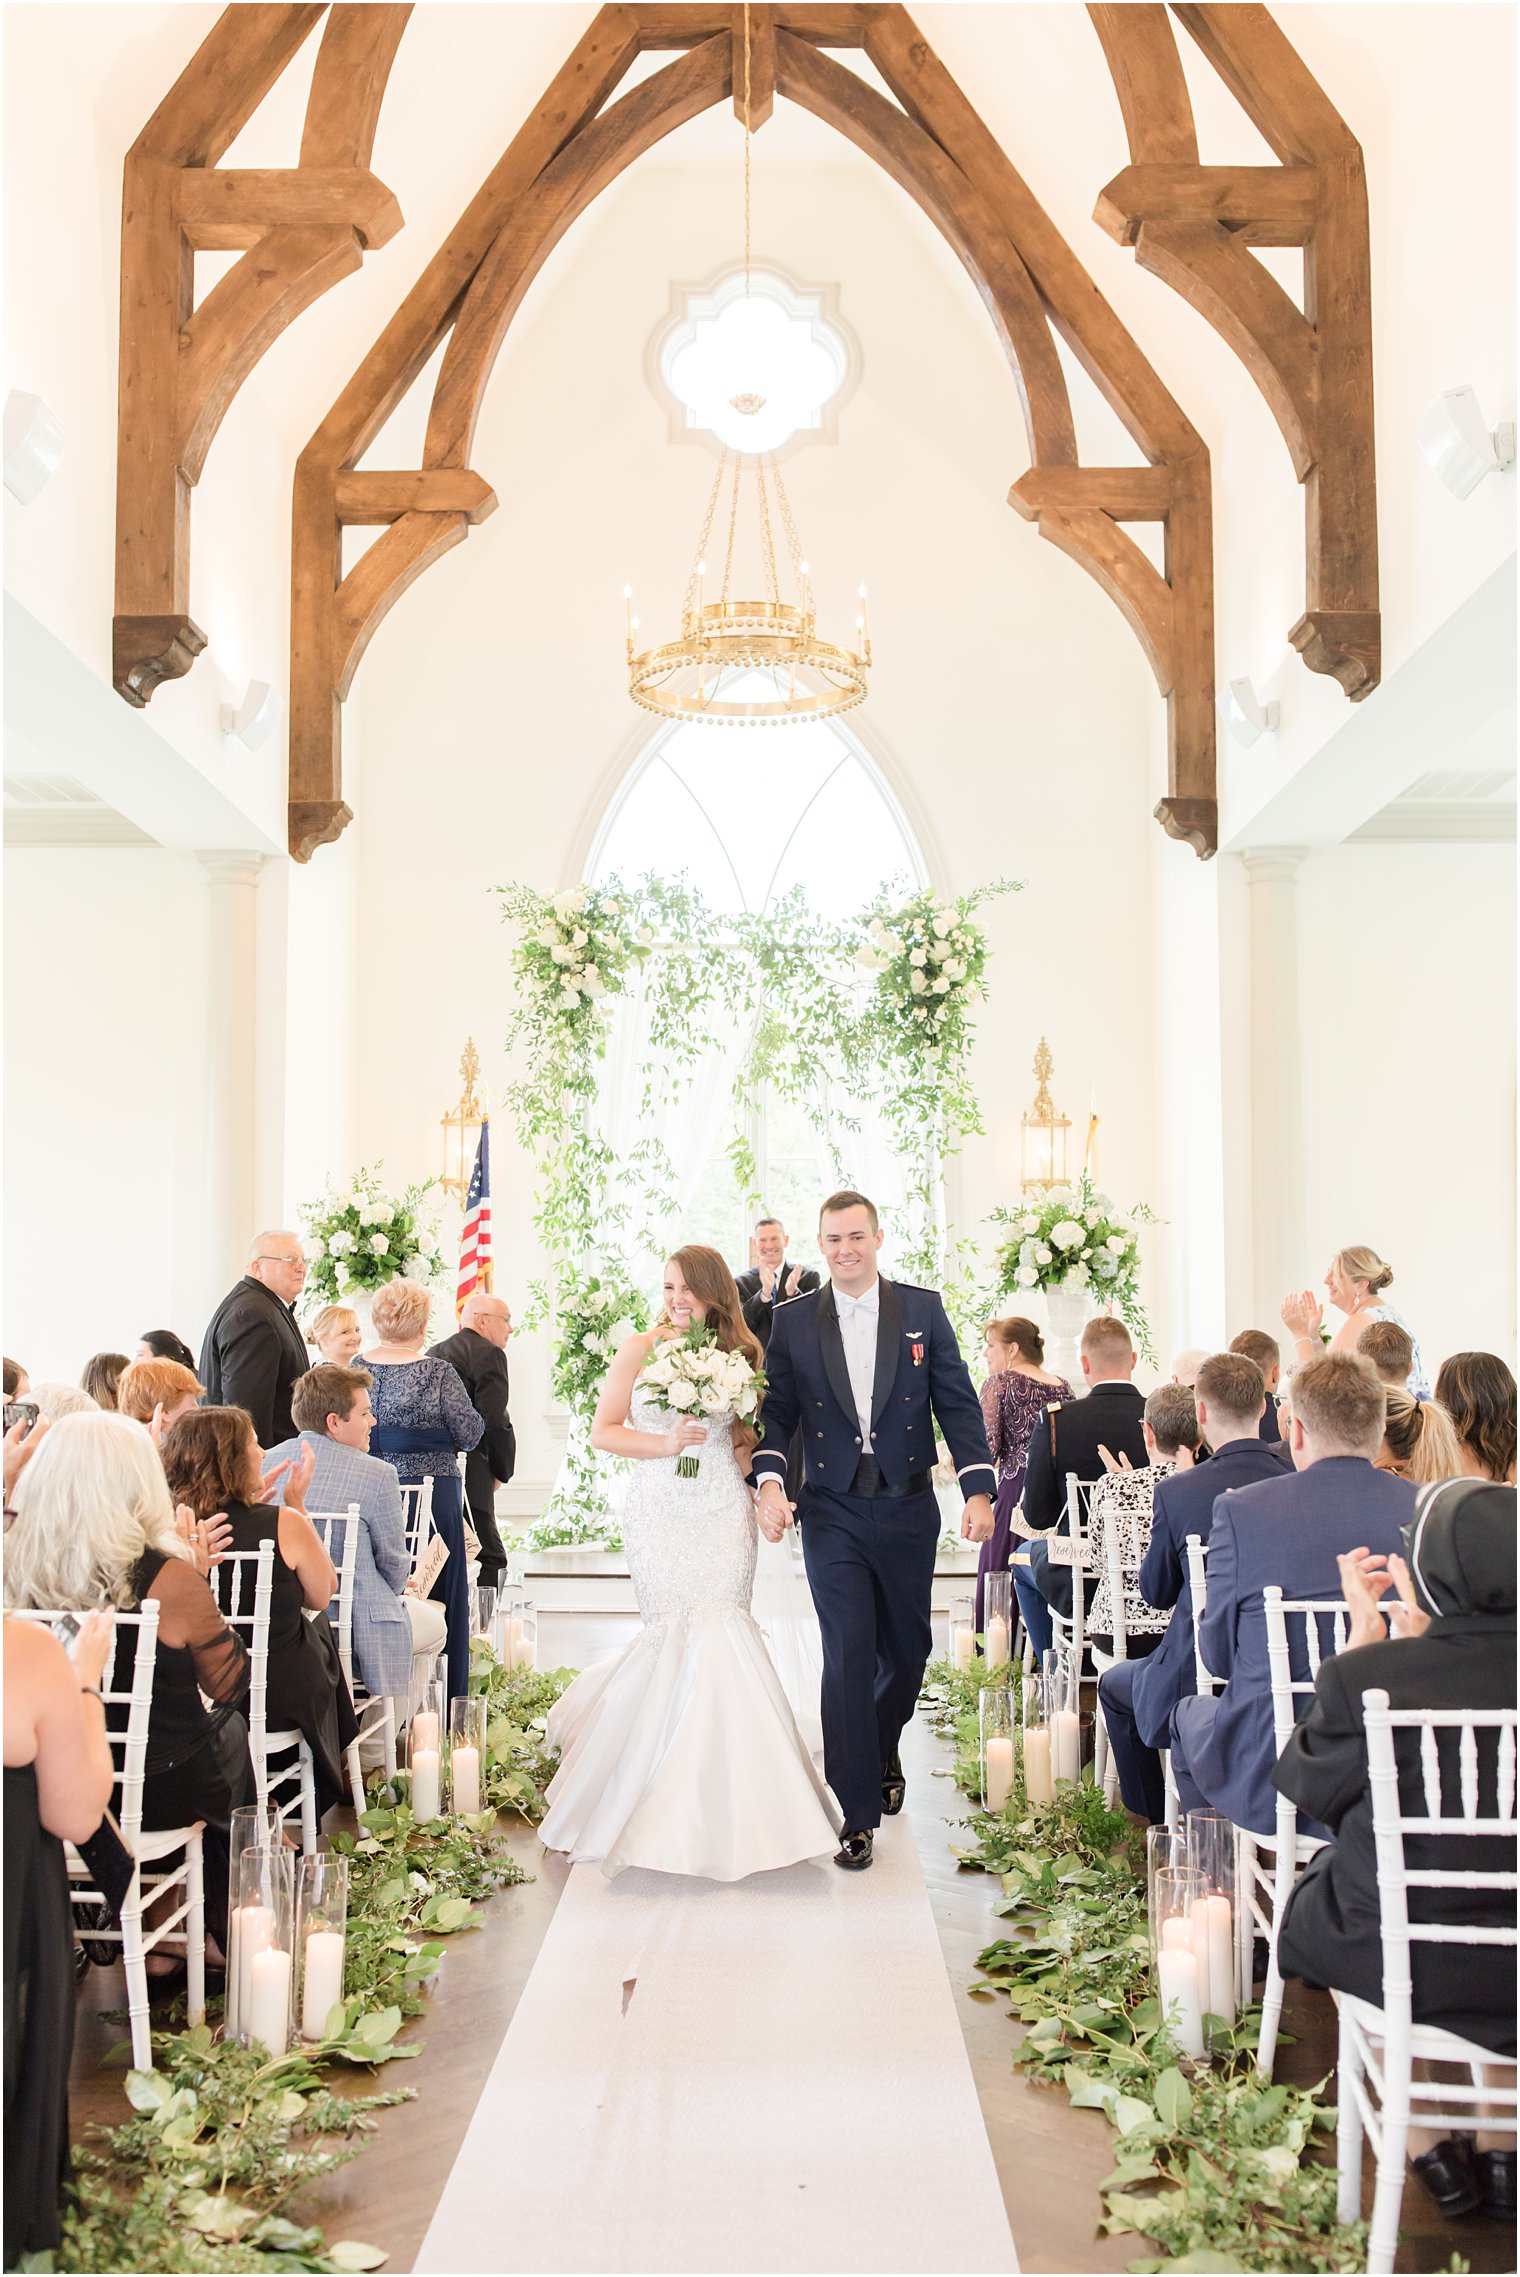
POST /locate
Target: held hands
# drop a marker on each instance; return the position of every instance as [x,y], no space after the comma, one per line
[1302,1313]
[977,1518]
[773,1513]
[92,1649]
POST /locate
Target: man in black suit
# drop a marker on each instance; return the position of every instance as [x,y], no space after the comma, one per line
[1071,1438]
[254,1351]
[1137,1696]
[770,1282]
[479,1353]
[1265,1350]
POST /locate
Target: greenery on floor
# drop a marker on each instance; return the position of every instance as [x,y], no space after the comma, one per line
[223,2140]
[1211,2166]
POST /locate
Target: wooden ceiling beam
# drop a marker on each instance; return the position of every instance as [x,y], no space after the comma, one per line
[1258,205]
[299,230]
[754,105]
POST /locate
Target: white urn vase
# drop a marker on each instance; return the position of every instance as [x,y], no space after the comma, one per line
[1067,1308]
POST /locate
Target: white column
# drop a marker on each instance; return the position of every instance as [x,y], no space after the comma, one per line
[231,1059]
[1277,1114]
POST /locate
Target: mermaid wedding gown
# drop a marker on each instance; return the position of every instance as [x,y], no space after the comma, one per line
[682,1753]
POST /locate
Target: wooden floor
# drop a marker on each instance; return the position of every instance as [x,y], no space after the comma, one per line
[1050,2158]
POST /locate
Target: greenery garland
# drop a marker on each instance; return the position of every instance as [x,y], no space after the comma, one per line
[1212,2167]
[790,986]
[225,2139]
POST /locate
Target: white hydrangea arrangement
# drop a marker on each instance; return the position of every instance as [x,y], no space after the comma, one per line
[575,948]
[359,1239]
[1074,1237]
[692,1377]
[928,956]
[593,1316]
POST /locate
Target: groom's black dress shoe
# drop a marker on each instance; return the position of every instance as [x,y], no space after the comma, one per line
[855,1851]
[894,1787]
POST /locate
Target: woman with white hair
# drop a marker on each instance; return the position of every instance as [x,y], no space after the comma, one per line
[94,1526]
[423,1424]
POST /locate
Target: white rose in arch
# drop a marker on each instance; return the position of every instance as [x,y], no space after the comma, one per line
[592,982]
[918,984]
[380,1244]
[579,938]
[591,1342]
[1066,1235]
[1027,1277]
[943,923]
[955,969]
[939,951]
[941,986]
[1044,1255]
[560,955]
[918,958]
[564,905]
[646,934]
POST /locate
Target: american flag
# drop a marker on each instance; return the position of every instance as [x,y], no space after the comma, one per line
[475,1235]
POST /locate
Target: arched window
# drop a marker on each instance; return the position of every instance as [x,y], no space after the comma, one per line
[747,817]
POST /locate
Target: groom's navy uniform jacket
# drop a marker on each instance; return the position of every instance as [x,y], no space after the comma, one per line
[920,1378]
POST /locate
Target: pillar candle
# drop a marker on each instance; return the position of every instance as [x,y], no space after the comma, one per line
[424,1728]
[1037,1783]
[267,2017]
[1178,1970]
[464,1770]
[964,1647]
[1065,1745]
[523,1650]
[252,1927]
[322,1984]
[997,1640]
[1217,1924]
[1188,1933]
[425,1782]
[999,1772]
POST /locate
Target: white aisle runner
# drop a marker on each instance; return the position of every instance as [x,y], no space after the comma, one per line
[764,2076]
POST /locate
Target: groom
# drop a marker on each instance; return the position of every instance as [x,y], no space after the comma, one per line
[866,1367]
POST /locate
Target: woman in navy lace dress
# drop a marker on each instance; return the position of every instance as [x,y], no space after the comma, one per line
[1015,1396]
[423,1424]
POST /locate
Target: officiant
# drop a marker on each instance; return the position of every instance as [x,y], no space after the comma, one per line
[769,1282]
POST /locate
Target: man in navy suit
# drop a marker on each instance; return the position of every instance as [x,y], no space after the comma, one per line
[1265,1350]
[1138,1696]
[1285,1532]
[866,1368]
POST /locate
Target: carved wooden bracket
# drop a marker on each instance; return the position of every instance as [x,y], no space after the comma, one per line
[299,230]
[1193,225]
[944,155]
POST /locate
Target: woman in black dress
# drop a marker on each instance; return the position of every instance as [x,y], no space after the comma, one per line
[57,1783]
[212,1460]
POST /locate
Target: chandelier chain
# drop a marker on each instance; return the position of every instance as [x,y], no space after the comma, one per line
[733,521]
[700,556]
[746,149]
[766,542]
[793,542]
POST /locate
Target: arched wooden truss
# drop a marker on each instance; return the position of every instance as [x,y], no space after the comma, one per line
[299,228]
[1193,225]
[940,151]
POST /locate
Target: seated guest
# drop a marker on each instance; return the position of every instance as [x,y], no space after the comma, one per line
[1391,1351]
[1187,1364]
[1355,1282]
[1137,1697]
[479,1352]
[1018,1390]
[95,1525]
[1072,1438]
[423,1424]
[1419,1440]
[1122,1504]
[163,1344]
[58,1779]
[337,1335]
[1285,1532]
[254,1351]
[1453,1647]
[55,1401]
[1255,1344]
[211,1460]
[397,1637]
[17,1382]
[1478,1393]
[158,1388]
[101,1376]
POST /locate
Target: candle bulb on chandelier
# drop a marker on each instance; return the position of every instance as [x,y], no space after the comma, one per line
[628,614]
[806,575]
[865,617]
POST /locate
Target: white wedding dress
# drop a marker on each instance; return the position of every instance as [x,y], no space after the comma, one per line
[682,1754]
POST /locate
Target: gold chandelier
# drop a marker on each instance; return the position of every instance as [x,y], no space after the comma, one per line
[708,672]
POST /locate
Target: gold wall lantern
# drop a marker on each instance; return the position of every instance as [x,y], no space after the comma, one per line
[461,1127]
[1043,1134]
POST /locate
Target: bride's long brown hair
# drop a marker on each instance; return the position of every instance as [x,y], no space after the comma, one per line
[707,1276]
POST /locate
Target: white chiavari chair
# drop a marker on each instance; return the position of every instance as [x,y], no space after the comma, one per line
[1379,2046]
[242,1581]
[338,1532]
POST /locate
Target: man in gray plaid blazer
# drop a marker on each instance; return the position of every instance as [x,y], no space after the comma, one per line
[397,1637]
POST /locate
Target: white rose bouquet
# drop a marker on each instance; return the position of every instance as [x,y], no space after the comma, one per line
[1073,1237]
[364,1237]
[693,1379]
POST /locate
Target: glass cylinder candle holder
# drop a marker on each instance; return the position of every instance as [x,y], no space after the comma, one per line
[995,1718]
[1067,1737]
[467,1753]
[960,1640]
[1181,1969]
[265,1934]
[1039,1785]
[997,1619]
[424,1754]
[519,1634]
[1059,1678]
[253,1826]
[1211,1855]
[321,1939]
[483,1612]
[1165,1852]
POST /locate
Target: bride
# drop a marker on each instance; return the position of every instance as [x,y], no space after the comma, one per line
[682,1753]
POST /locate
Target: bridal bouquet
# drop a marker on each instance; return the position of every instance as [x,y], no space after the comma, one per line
[694,1379]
